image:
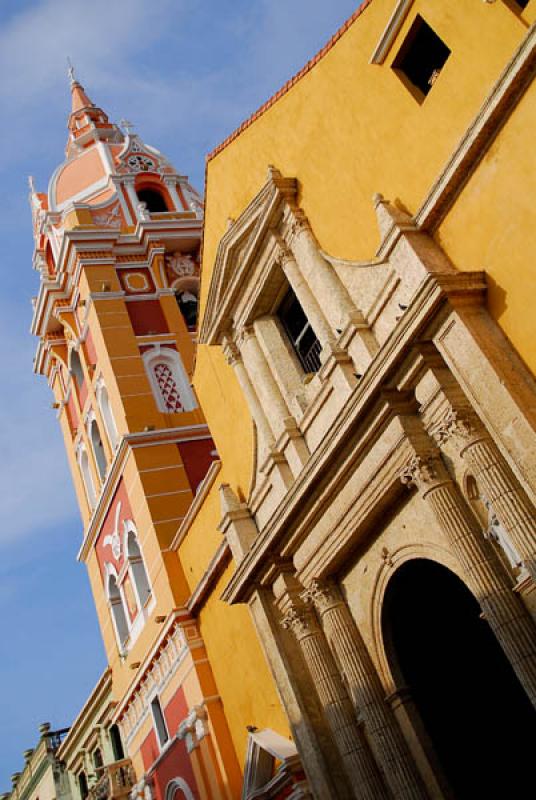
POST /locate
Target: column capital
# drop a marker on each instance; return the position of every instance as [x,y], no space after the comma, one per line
[324,594]
[459,424]
[301,620]
[231,351]
[284,254]
[423,470]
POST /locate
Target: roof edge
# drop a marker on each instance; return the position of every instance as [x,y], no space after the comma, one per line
[291,82]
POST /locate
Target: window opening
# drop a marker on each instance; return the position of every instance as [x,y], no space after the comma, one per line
[187,302]
[137,567]
[118,611]
[300,332]
[82,785]
[76,368]
[153,200]
[83,461]
[107,415]
[159,721]
[421,58]
[98,449]
[117,744]
[98,762]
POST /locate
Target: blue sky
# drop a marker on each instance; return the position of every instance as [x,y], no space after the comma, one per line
[186,72]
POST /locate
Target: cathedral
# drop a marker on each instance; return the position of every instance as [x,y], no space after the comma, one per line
[305,451]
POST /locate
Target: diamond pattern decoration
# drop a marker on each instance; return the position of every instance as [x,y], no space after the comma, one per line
[168,388]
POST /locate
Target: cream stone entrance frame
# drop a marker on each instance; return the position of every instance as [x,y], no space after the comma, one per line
[406,343]
[364,464]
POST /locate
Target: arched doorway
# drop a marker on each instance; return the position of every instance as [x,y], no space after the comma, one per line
[478,718]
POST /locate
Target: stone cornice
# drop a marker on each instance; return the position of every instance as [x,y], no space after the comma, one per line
[427,303]
[213,571]
[237,250]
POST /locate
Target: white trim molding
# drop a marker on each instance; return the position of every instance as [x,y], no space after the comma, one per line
[391,31]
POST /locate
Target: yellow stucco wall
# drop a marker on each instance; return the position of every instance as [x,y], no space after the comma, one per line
[491,227]
[347,130]
[240,669]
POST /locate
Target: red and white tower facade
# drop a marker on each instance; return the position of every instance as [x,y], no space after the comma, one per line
[117,240]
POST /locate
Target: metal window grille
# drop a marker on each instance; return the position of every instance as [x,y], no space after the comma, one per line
[300,332]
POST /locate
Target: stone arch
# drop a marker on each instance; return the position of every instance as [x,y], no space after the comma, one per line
[391,561]
[455,681]
[178,789]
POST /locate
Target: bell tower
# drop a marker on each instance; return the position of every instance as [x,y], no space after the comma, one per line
[117,239]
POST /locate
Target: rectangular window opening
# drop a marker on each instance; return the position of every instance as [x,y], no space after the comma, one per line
[517,5]
[159,721]
[420,59]
[299,331]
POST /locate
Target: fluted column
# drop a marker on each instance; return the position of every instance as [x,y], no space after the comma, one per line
[503,610]
[305,296]
[381,727]
[510,503]
[233,357]
[320,276]
[360,766]
[265,385]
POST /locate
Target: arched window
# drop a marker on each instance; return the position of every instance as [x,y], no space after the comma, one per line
[107,415]
[169,381]
[85,469]
[75,366]
[82,785]
[98,762]
[138,573]
[188,306]
[117,744]
[153,199]
[98,449]
[187,296]
[117,609]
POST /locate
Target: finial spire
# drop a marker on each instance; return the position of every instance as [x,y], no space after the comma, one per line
[70,71]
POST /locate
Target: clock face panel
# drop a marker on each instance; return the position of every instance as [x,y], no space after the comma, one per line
[139,163]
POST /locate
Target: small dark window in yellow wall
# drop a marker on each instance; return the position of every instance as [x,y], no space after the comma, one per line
[421,58]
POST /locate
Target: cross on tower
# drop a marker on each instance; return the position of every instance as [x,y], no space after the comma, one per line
[127,125]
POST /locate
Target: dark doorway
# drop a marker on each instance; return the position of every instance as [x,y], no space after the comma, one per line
[478,718]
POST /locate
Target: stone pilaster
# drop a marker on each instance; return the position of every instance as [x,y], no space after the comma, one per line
[262,378]
[233,357]
[366,691]
[337,707]
[510,503]
[503,610]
